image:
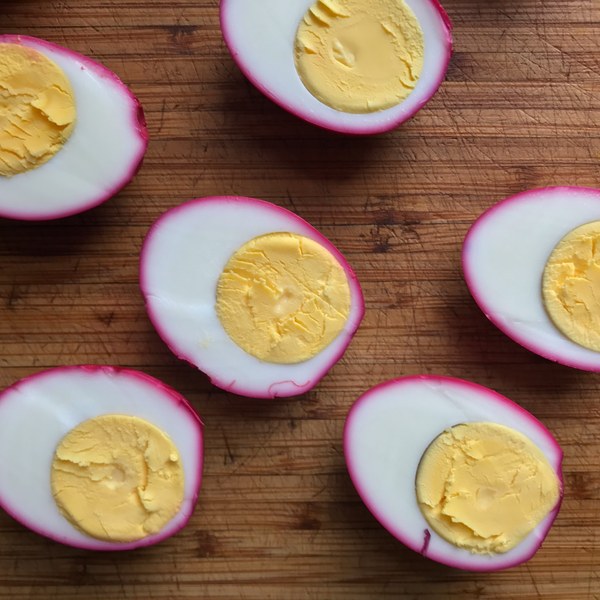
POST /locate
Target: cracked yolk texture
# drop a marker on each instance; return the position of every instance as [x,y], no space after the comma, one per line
[571,286]
[283,298]
[37,109]
[484,487]
[359,56]
[117,478]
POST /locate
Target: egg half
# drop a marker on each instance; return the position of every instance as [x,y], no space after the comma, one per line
[103,152]
[261,35]
[182,261]
[504,259]
[37,412]
[389,429]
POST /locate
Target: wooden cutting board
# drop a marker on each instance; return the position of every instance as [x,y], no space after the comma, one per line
[278,517]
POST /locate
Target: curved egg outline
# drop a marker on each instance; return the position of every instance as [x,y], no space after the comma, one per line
[172,399]
[291,379]
[413,530]
[297,100]
[100,76]
[577,201]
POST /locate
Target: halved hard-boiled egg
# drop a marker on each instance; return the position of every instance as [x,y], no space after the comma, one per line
[454,470]
[249,293]
[353,66]
[71,133]
[532,263]
[98,457]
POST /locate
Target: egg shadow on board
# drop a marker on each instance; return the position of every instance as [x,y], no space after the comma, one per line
[282,139]
[507,367]
[9,9]
[76,564]
[53,238]
[9,6]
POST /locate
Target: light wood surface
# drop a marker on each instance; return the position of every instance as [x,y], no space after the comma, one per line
[278,518]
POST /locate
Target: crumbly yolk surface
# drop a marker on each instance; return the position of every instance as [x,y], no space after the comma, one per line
[359,56]
[37,109]
[484,487]
[571,286]
[283,298]
[117,478]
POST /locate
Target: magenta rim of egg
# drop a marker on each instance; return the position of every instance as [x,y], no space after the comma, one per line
[539,349]
[137,118]
[309,231]
[393,528]
[308,115]
[169,395]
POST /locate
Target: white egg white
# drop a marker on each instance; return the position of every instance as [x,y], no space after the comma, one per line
[101,155]
[38,411]
[260,35]
[387,431]
[182,259]
[504,257]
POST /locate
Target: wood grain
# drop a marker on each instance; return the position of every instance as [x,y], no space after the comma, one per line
[278,517]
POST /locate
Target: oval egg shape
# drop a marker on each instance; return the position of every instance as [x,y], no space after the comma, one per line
[504,257]
[102,154]
[38,411]
[260,36]
[182,259]
[387,432]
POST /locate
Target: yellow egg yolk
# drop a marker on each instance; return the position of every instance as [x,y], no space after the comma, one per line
[484,487]
[571,286]
[37,109]
[117,478]
[359,56]
[283,298]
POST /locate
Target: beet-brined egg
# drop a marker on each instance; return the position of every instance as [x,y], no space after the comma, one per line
[100,458]
[454,470]
[353,66]
[71,133]
[532,264]
[249,293]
